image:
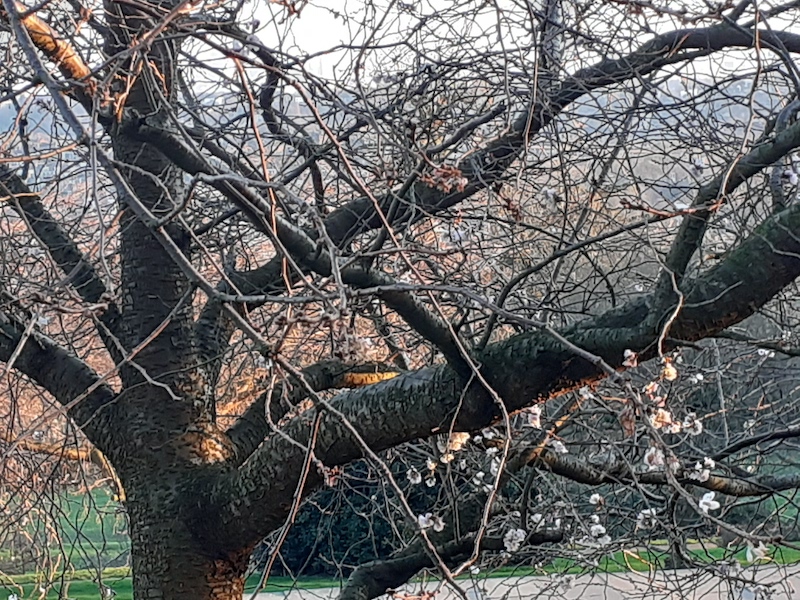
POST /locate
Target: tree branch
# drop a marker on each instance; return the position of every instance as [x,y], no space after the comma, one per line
[616,472]
[711,196]
[84,396]
[375,578]
[525,369]
[253,426]
[65,253]
[486,166]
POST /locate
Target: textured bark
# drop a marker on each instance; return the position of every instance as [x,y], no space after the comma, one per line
[523,370]
[169,563]
[200,498]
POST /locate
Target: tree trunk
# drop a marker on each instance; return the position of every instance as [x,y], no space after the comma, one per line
[169,563]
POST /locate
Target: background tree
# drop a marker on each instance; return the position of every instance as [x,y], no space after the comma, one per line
[463,213]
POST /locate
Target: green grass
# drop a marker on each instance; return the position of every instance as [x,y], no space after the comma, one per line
[83,587]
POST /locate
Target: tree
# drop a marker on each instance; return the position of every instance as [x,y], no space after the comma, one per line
[517,203]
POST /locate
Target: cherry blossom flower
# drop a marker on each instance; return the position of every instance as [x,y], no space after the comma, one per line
[755,553]
[413,476]
[646,519]
[425,521]
[532,417]
[558,447]
[699,473]
[692,425]
[596,499]
[661,418]
[597,530]
[654,458]
[513,539]
[631,358]
[708,503]
[669,372]
[438,523]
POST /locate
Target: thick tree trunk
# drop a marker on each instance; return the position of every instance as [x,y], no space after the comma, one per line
[169,563]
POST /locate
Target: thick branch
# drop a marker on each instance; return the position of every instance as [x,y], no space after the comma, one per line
[55,48]
[524,369]
[252,427]
[68,379]
[489,164]
[65,253]
[693,227]
[572,467]
[375,578]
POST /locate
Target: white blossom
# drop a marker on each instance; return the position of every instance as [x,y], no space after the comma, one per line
[708,503]
[586,393]
[692,425]
[654,458]
[430,481]
[596,499]
[438,523]
[630,357]
[661,418]
[457,440]
[699,473]
[447,458]
[646,518]
[513,539]
[755,553]
[414,476]
[558,447]
[532,417]
[474,569]
[536,518]
[431,464]
[597,530]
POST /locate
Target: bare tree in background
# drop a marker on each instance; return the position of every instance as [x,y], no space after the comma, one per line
[468,215]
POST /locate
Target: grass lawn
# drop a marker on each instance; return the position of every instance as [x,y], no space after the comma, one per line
[83,587]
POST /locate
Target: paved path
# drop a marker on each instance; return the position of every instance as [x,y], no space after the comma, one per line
[662,585]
